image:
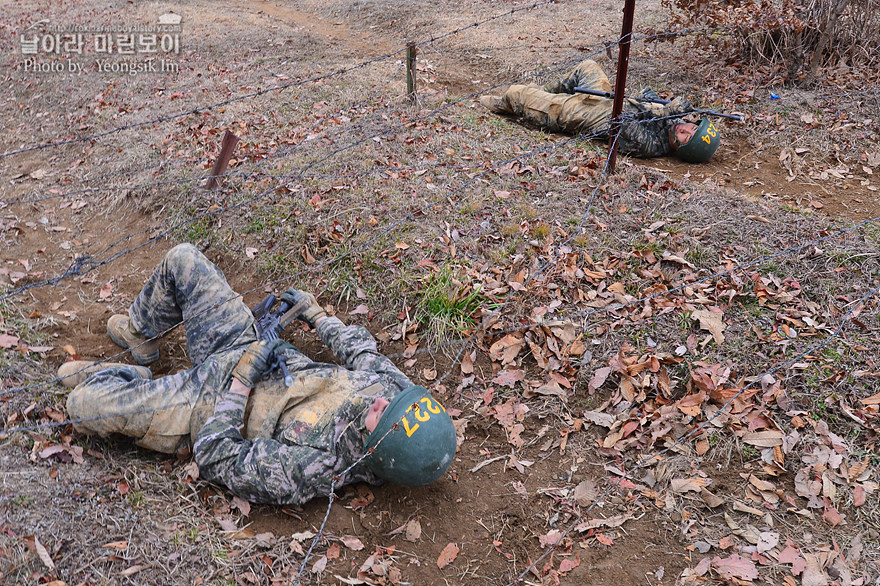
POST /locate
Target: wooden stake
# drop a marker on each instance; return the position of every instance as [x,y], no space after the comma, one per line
[226,148]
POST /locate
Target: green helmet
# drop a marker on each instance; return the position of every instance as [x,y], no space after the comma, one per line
[702,144]
[420,441]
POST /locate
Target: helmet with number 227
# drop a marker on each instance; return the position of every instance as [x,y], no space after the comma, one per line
[414,442]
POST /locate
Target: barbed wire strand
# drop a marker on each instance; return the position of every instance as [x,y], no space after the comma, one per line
[403,124]
[527,326]
[324,264]
[284,86]
[77,266]
[615,307]
[270,153]
[277,88]
[497,312]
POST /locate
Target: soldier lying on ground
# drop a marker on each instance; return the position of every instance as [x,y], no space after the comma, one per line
[648,129]
[265,441]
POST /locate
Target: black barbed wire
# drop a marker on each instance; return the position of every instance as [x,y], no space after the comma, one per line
[681,440]
[269,153]
[278,152]
[274,153]
[698,429]
[251,175]
[618,306]
[633,37]
[497,311]
[76,268]
[277,88]
[284,86]
[405,123]
[77,265]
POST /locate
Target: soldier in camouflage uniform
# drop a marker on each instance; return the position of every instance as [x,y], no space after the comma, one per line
[556,107]
[264,440]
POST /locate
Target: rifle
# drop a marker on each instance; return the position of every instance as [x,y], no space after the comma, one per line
[270,324]
[610,96]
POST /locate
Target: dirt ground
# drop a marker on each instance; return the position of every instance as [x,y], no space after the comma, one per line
[532,464]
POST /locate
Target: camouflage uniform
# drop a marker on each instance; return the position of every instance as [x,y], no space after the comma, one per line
[556,108]
[284,444]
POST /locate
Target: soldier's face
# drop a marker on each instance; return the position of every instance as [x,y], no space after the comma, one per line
[375,413]
[684,132]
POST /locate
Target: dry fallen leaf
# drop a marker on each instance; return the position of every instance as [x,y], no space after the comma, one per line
[506,349]
[598,379]
[467,364]
[242,505]
[351,542]
[569,564]
[687,484]
[333,551]
[227,525]
[735,567]
[711,500]
[764,439]
[413,530]
[585,493]
[711,322]
[831,515]
[320,565]
[448,555]
[509,377]
[41,551]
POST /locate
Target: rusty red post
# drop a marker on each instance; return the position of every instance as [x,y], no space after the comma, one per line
[411,72]
[226,148]
[629,9]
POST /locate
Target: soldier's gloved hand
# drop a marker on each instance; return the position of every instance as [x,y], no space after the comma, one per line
[310,310]
[255,361]
[678,106]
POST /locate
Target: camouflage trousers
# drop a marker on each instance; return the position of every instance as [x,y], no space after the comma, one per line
[186,286]
[556,108]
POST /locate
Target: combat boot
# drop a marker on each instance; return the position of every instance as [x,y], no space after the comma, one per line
[494,104]
[75,372]
[143,351]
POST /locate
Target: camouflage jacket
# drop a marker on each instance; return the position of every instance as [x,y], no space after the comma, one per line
[299,438]
[645,128]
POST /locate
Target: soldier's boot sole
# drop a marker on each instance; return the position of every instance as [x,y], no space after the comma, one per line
[144,351]
[75,372]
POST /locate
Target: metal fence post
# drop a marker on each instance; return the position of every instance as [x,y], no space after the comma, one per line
[411,72]
[226,148]
[620,83]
